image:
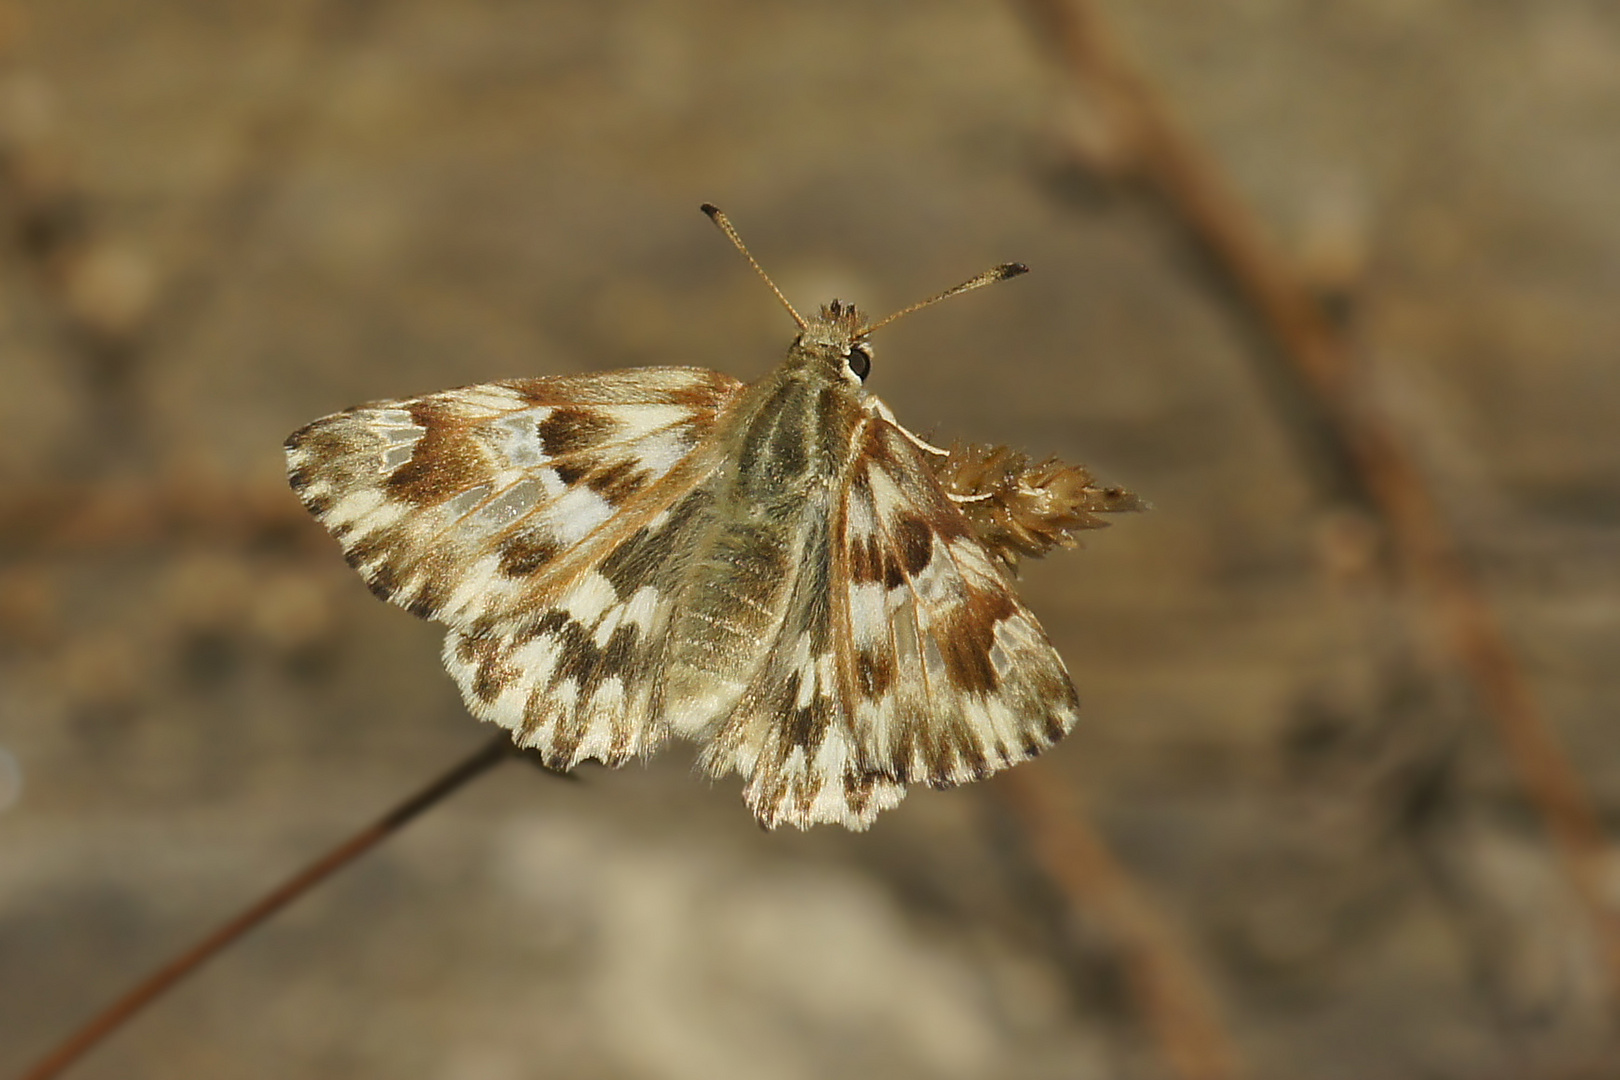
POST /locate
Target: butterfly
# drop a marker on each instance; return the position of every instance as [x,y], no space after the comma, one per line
[779,571]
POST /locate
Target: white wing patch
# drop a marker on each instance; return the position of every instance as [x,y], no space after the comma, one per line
[449,505]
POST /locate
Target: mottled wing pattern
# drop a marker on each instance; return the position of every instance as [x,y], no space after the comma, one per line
[570,530]
[545,520]
[450,505]
[905,657]
[791,734]
[580,673]
[954,677]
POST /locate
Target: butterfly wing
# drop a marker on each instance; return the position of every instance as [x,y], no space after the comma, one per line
[905,657]
[453,505]
[545,521]
[579,673]
[792,732]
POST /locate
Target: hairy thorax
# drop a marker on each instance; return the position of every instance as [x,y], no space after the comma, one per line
[791,435]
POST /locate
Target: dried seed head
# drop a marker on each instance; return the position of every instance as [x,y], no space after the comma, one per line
[1019,508]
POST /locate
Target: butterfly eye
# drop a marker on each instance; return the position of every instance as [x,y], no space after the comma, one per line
[859,360]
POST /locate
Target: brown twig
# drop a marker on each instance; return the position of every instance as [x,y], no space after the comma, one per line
[164,978]
[1150,144]
[1166,986]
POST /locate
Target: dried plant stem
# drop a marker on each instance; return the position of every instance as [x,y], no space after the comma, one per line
[1192,187]
[1164,983]
[166,977]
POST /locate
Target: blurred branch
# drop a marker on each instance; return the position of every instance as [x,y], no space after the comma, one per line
[166,977]
[1141,138]
[1164,983]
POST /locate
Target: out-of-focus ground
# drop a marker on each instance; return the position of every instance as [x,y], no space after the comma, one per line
[276,210]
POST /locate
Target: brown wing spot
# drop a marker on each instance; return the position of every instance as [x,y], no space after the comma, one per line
[618,656]
[905,750]
[566,737]
[633,561]
[858,788]
[568,431]
[363,550]
[540,712]
[300,480]
[1053,727]
[618,481]
[806,727]
[446,460]
[430,597]
[491,677]
[915,541]
[973,757]
[577,656]
[893,575]
[522,553]
[324,440]
[383,581]
[939,748]
[865,560]
[966,640]
[874,671]
[956,749]
[546,625]
[571,473]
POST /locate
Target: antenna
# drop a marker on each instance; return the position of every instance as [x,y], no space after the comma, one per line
[725,226]
[994,274]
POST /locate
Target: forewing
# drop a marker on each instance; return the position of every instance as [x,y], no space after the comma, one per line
[458,505]
[547,521]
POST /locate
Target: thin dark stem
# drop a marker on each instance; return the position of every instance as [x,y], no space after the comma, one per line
[164,978]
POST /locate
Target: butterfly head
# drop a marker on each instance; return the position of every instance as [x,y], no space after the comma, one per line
[838,335]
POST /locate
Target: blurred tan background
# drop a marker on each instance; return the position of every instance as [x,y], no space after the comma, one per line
[223,219]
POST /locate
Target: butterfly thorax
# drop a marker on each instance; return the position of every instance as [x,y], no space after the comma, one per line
[787,445]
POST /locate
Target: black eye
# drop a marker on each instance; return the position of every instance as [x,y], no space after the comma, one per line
[859,360]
